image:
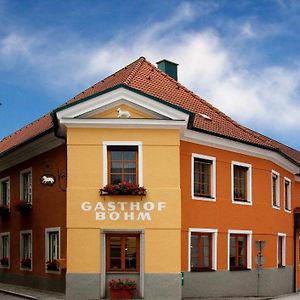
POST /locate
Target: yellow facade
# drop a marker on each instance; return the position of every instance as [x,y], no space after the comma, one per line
[158,213]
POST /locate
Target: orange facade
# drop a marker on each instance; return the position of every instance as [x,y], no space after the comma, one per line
[260,217]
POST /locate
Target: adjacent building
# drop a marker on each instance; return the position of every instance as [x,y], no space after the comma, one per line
[138,177]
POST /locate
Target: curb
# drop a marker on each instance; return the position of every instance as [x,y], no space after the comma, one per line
[19,294]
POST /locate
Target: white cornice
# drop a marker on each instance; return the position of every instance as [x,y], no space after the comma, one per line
[30,150]
[229,145]
[123,123]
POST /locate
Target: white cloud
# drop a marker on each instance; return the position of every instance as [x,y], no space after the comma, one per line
[266,97]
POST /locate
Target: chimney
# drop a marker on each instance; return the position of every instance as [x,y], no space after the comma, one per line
[169,67]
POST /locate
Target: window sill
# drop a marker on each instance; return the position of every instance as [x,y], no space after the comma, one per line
[241,202]
[53,272]
[276,207]
[287,211]
[122,272]
[202,270]
[203,198]
[280,267]
[26,269]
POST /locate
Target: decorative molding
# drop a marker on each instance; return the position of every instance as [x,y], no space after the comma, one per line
[238,147]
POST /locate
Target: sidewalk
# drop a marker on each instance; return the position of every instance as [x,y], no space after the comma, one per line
[29,293]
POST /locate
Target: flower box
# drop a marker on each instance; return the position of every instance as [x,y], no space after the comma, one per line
[122,288]
[24,206]
[26,263]
[4,261]
[52,265]
[4,210]
[123,188]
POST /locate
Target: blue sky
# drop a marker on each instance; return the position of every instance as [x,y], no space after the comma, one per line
[242,56]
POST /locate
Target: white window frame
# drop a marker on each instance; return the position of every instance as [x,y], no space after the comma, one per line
[8,192]
[8,250]
[22,232]
[214,246]
[249,246]
[122,143]
[289,200]
[213,177]
[277,189]
[28,170]
[47,231]
[283,250]
[249,183]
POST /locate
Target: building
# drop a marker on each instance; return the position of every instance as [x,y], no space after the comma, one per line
[214,189]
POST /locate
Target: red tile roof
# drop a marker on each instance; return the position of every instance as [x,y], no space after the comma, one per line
[145,77]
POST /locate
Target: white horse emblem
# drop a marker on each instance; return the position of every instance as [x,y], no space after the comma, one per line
[123,113]
[48,180]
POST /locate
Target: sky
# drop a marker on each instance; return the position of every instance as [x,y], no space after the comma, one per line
[241,56]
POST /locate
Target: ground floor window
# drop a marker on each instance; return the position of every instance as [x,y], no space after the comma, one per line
[26,249]
[281,249]
[122,252]
[4,250]
[52,248]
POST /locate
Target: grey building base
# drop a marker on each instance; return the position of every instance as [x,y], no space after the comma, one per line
[83,286]
[272,282]
[42,283]
[157,286]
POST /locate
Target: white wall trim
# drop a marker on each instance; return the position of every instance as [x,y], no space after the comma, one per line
[21,248]
[289,200]
[283,250]
[277,189]
[105,144]
[8,192]
[213,177]
[249,182]
[47,231]
[249,246]
[238,147]
[8,250]
[214,254]
[105,100]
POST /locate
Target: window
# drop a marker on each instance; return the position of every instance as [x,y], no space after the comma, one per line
[275,190]
[241,183]
[52,248]
[287,194]
[5,191]
[122,252]
[203,177]
[4,254]
[26,250]
[122,161]
[281,249]
[122,164]
[202,249]
[26,185]
[240,250]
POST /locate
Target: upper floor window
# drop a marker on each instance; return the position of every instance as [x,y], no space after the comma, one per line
[26,185]
[275,189]
[287,194]
[241,183]
[26,249]
[203,177]
[122,164]
[4,250]
[5,191]
[122,252]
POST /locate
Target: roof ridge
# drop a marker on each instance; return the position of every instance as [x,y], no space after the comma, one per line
[135,69]
[206,103]
[112,75]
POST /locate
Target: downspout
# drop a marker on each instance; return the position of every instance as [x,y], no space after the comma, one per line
[295,259]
